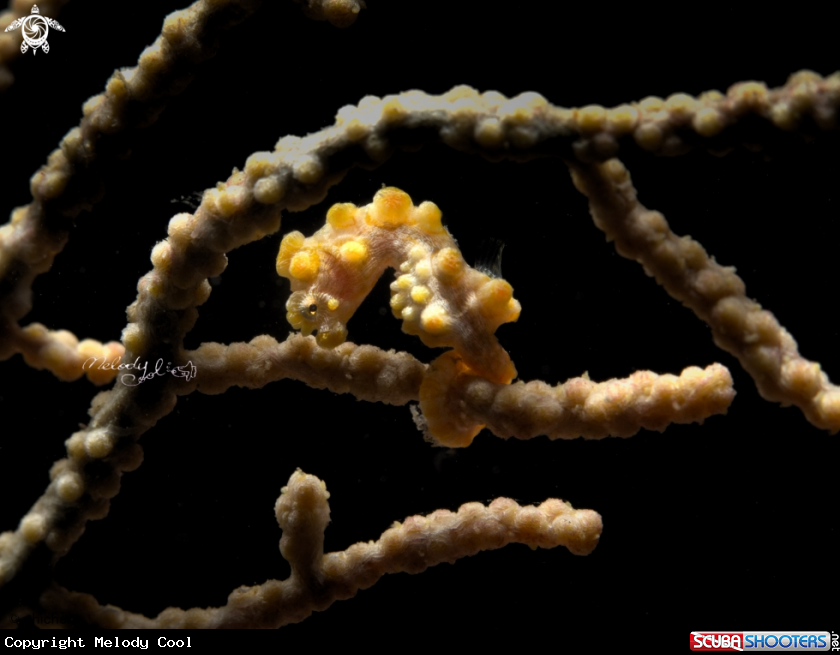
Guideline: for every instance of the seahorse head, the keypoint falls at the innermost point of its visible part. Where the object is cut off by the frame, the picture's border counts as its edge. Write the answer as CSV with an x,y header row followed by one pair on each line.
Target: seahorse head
x,y
328,283
317,312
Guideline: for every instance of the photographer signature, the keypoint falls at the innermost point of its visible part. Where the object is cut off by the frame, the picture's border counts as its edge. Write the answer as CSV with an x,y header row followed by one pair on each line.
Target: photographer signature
x,y
186,371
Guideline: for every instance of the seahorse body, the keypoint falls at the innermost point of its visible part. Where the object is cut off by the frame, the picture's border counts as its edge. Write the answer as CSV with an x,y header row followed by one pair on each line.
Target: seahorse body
x,y
439,297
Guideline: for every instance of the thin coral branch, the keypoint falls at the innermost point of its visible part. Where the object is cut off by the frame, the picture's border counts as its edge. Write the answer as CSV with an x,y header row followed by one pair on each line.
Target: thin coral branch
x,y
367,372
577,408
72,180
714,292
319,579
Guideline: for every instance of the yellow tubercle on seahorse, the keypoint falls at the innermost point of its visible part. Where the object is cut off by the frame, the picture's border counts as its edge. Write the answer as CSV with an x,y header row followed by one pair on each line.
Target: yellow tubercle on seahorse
x,y
439,297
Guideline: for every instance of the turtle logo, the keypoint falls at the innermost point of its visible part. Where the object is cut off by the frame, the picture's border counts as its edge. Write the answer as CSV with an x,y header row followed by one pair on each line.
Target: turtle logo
x,y
35,30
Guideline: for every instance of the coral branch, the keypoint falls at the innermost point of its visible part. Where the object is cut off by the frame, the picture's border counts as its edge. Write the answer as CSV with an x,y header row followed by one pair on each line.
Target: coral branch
x,y
72,180
714,292
459,404
366,372
61,353
577,408
318,580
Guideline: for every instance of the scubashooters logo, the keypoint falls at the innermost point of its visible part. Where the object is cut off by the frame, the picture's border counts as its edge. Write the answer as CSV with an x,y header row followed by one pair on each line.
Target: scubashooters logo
x,y
760,641
35,28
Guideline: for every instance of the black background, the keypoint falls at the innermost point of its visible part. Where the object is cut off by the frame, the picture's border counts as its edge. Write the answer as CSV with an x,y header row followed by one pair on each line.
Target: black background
x,y
726,526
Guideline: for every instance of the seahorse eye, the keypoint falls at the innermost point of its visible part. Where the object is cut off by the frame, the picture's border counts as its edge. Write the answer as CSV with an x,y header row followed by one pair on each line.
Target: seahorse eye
x,y
313,309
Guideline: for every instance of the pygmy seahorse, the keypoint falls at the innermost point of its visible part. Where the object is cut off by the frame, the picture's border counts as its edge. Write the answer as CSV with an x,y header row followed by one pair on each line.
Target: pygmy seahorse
x,y
439,297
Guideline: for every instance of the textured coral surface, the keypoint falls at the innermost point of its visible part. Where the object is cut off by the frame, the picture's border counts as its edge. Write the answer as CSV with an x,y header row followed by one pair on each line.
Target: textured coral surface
x,y
746,501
